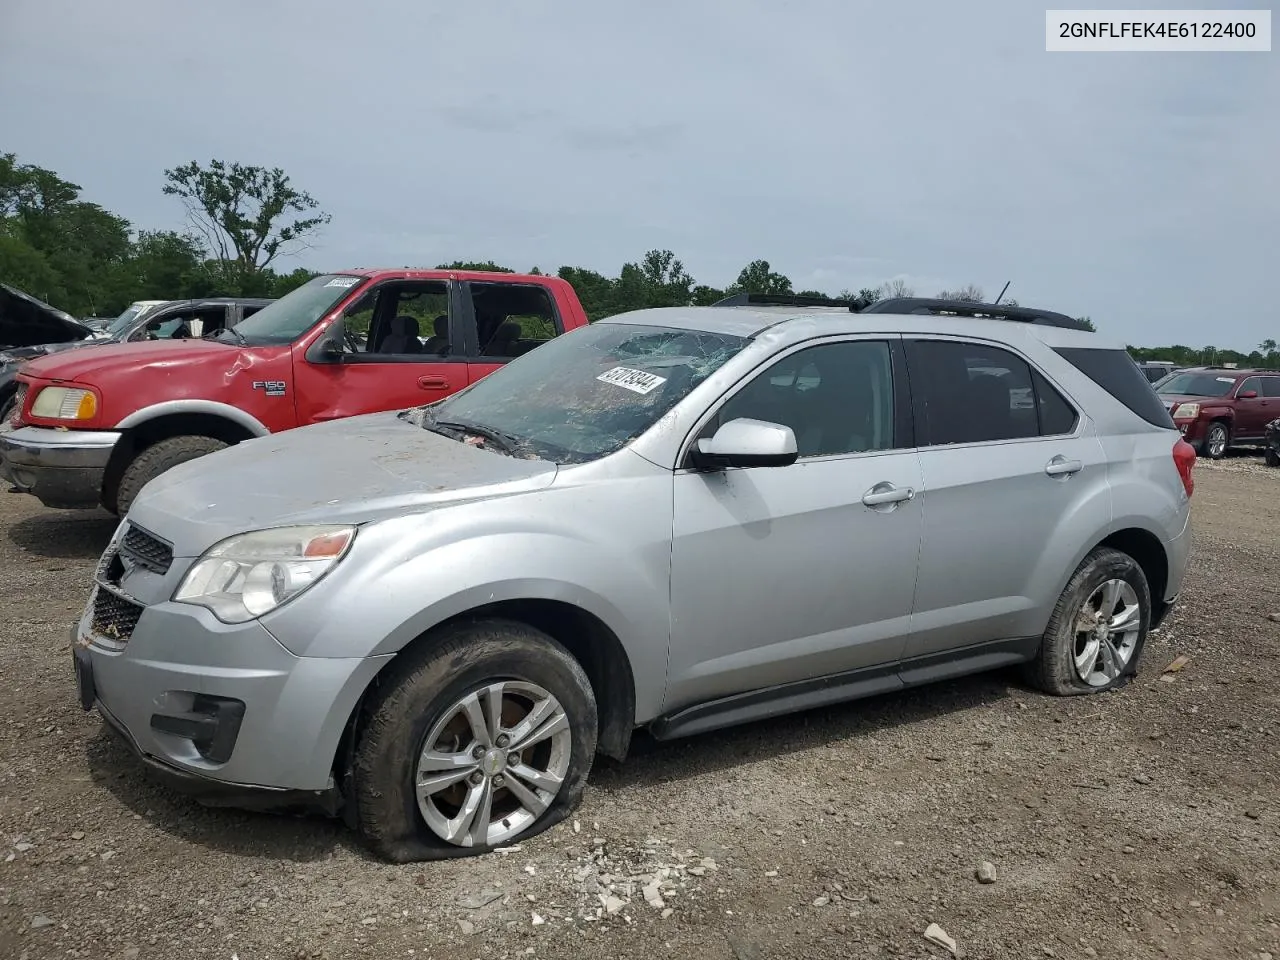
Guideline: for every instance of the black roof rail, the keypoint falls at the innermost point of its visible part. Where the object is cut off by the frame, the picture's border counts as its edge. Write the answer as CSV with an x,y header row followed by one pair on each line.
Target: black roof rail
x,y
970,308
781,300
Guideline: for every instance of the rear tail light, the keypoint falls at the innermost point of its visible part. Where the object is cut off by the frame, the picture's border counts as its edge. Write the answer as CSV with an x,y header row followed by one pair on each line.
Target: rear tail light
x,y
1184,458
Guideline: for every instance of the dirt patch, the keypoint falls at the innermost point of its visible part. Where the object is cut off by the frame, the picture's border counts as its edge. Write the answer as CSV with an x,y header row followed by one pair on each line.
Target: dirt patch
x,y
1144,823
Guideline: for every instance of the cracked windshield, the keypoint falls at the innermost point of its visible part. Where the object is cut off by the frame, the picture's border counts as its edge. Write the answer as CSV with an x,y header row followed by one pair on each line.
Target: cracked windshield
x,y
589,393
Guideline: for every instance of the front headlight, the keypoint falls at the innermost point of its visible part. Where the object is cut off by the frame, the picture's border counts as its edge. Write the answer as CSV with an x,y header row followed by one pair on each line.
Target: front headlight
x,y
65,403
1186,411
248,575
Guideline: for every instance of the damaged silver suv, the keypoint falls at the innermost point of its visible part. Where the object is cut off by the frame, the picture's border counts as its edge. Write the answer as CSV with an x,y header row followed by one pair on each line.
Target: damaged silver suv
x,y
431,622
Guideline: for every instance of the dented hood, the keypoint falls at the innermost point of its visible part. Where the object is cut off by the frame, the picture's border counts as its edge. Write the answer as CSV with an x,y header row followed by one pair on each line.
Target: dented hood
x,y
28,322
349,471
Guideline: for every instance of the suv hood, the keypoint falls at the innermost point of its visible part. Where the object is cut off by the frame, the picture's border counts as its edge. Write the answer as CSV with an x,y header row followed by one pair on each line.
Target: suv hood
x,y
1170,399
83,365
348,471
28,322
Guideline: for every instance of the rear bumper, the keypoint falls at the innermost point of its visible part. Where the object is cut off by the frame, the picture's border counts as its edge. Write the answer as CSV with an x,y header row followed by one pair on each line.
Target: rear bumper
x,y
61,468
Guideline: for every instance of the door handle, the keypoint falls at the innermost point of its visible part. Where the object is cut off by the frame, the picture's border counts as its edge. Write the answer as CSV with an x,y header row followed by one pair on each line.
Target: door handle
x,y
433,383
883,493
1060,466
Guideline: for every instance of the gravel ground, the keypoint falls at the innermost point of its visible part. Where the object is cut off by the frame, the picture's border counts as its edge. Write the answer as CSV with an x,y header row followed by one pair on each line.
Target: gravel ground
x,y
1144,823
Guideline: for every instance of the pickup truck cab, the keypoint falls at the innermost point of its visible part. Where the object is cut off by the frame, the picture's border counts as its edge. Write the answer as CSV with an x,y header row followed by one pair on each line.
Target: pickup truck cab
x,y
94,426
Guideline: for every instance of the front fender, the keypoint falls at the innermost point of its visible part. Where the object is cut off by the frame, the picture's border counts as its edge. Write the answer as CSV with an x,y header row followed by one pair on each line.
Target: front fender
x,y
400,587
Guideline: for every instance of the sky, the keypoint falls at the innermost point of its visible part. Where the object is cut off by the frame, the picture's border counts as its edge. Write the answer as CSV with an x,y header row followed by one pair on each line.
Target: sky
x,y
846,142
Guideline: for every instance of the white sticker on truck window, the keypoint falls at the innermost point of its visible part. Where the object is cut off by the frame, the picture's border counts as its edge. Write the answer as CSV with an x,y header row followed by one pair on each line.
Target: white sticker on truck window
x,y
637,381
1225,379
343,282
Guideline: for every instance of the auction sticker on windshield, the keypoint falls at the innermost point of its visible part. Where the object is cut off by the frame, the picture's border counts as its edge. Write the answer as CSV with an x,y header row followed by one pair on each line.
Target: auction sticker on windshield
x,y
343,282
637,381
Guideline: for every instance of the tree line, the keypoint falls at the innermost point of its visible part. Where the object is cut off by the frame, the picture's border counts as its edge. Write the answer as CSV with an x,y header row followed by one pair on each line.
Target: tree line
x,y
243,219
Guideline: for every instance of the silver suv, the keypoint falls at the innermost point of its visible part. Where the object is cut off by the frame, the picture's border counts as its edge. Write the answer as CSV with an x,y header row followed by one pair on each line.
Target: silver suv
x,y
676,519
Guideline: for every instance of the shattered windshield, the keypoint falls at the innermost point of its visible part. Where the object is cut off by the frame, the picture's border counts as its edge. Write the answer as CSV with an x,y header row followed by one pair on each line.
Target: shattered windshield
x,y
1196,385
121,324
588,393
286,319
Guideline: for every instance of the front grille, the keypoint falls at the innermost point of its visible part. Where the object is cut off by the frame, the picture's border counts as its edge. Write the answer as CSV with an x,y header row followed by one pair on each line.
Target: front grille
x,y
146,550
113,615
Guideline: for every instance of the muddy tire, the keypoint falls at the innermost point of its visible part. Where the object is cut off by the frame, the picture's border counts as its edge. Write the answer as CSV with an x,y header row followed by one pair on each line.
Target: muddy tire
x,y
155,460
477,740
1270,456
1098,628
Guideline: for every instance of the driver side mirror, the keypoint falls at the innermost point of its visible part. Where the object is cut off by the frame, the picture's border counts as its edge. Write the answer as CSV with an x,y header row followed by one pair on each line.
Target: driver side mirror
x,y
746,443
1247,395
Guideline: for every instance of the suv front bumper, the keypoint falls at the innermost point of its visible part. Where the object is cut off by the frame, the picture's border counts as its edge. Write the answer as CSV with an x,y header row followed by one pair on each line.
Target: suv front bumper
x,y
222,711
62,468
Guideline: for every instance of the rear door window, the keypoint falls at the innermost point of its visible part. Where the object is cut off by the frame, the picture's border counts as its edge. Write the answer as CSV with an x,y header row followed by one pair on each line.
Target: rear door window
x,y
1271,386
974,393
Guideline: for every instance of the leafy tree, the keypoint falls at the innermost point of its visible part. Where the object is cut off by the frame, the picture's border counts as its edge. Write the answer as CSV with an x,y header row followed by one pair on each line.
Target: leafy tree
x,y
485,265
758,277
595,290
704,296
245,213
1088,324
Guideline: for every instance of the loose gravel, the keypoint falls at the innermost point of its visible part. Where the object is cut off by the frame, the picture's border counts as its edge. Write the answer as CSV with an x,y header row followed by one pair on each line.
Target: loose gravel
x,y
1139,824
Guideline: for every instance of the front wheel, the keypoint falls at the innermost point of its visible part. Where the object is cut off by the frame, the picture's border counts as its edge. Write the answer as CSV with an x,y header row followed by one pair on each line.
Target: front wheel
x,y
1272,457
1098,628
1216,441
155,460
481,738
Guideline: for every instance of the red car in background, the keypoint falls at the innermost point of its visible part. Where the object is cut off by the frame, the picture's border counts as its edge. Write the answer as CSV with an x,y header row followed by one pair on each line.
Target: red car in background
x,y
93,426
1219,407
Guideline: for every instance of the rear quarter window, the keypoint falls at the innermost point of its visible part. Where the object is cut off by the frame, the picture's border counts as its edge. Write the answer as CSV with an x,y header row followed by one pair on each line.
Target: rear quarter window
x,y
1117,373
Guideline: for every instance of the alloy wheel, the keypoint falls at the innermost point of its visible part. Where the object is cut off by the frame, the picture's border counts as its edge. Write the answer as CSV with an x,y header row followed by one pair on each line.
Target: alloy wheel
x,y
493,763
1107,629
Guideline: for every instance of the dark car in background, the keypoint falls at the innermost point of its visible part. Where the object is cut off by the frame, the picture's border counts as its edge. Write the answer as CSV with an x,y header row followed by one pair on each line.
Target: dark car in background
x,y
141,321
1220,407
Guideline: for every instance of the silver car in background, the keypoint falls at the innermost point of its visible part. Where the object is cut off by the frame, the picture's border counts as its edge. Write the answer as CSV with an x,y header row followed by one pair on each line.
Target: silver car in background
x,y
677,519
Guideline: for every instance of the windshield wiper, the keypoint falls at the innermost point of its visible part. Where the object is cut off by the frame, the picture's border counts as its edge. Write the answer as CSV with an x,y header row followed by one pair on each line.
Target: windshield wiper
x,y
240,337
503,441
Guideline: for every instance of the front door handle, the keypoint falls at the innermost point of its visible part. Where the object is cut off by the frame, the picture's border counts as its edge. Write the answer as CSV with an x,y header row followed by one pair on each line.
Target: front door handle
x,y
885,492
1060,466
433,383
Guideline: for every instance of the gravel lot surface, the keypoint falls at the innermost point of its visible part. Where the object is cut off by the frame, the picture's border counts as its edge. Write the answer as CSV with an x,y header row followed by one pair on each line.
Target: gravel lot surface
x,y
1144,823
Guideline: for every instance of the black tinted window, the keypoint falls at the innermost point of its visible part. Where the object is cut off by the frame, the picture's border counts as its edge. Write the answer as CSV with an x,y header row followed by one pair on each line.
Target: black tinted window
x,y
1271,386
970,393
1115,372
837,398
1056,415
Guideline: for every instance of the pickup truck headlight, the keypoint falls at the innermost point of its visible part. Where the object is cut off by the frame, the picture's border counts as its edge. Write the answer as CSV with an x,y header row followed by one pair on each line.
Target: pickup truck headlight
x,y
251,574
1186,411
65,403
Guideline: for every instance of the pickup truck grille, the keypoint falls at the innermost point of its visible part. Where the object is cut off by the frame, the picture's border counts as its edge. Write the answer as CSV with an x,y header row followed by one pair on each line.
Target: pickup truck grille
x,y
114,616
146,550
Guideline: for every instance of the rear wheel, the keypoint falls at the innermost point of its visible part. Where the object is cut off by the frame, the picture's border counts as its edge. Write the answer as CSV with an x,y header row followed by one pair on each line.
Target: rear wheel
x,y
1216,441
1098,628
155,460
485,737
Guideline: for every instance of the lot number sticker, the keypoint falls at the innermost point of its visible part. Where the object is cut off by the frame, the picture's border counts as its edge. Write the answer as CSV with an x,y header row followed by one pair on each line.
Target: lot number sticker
x,y
343,282
637,381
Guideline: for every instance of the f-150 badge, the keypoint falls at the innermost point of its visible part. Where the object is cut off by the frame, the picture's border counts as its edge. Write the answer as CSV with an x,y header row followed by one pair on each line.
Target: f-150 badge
x,y
272,388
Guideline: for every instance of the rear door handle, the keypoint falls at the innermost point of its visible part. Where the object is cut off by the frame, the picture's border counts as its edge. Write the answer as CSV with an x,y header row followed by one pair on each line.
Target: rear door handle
x,y
1060,466
433,383
883,493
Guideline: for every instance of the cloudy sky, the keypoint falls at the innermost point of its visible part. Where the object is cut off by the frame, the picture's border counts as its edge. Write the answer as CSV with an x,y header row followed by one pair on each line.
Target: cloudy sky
x,y
845,142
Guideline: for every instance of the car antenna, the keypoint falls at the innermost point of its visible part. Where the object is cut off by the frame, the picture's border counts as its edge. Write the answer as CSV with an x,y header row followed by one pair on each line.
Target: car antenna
x,y
1002,290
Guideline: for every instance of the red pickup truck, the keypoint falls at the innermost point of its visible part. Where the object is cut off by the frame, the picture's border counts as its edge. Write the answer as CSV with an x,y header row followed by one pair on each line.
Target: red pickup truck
x,y
93,426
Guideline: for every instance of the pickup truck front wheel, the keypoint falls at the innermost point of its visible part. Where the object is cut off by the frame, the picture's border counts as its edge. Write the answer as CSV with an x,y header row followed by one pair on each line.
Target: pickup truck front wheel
x,y
155,460
481,738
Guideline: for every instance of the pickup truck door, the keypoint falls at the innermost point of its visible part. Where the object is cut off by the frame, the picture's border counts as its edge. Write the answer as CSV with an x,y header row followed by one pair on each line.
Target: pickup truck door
x,y
504,321
397,352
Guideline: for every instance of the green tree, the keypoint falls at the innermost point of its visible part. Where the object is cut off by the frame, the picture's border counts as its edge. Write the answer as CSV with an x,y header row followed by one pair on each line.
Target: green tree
x,y
1088,324
758,277
247,215
485,265
595,290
